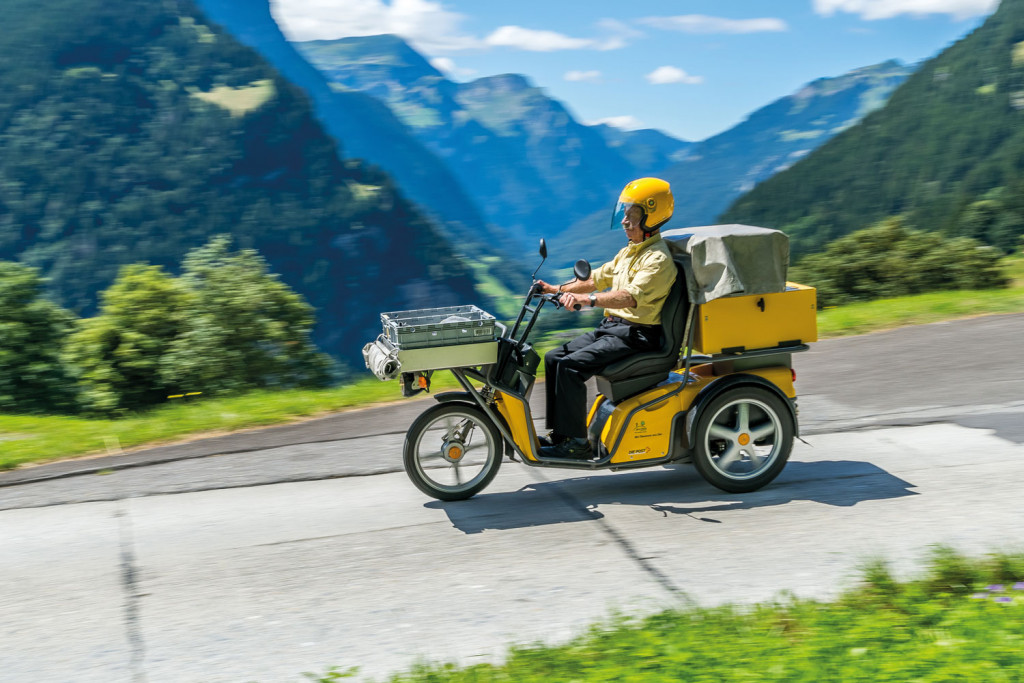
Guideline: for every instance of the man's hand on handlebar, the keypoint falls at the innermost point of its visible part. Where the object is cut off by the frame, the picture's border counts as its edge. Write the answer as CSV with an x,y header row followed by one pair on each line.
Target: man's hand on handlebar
x,y
542,287
574,302
574,295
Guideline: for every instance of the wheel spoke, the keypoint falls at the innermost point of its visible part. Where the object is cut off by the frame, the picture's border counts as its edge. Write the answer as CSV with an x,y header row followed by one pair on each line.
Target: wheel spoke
x,y
722,432
449,428
743,417
731,454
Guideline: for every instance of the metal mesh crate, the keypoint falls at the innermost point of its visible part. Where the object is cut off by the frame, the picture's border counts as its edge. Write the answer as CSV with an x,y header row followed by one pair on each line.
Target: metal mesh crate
x,y
446,326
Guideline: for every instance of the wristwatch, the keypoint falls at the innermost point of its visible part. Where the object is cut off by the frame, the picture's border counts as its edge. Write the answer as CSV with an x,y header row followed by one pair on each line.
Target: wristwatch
x,y
593,299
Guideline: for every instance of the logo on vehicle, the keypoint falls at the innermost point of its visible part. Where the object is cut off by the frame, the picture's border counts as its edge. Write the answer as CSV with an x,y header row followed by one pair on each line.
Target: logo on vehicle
x,y
640,451
640,427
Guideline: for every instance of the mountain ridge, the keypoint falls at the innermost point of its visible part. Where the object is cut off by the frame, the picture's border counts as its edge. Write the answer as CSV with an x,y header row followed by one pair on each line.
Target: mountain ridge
x,y
716,170
509,144
950,137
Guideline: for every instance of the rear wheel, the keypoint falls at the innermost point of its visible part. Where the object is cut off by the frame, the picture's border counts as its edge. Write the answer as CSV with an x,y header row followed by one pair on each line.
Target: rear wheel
x,y
743,439
452,451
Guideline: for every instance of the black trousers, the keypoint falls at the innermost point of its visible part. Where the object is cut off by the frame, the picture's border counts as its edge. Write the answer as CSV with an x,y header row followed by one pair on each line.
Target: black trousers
x,y
569,366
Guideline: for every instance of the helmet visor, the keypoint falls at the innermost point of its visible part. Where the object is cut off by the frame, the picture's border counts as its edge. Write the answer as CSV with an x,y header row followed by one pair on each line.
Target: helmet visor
x,y
620,213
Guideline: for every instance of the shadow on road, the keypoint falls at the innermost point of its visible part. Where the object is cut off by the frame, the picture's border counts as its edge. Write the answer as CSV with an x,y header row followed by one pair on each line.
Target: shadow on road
x,y
676,490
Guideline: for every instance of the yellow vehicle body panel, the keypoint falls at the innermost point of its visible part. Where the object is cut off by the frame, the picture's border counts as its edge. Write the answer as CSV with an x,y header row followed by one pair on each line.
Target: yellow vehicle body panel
x,y
647,434
757,321
517,416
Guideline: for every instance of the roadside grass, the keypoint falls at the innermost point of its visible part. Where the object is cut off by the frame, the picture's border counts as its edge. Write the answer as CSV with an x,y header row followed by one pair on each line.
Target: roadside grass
x,y
884,314
963,621
26,439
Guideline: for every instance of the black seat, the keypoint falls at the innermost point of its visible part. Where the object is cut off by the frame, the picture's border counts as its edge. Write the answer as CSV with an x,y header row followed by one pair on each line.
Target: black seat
x,y
638,372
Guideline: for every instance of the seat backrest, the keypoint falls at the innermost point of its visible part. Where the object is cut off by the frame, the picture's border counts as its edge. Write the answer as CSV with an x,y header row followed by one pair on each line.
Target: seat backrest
x,y
673,318
673,323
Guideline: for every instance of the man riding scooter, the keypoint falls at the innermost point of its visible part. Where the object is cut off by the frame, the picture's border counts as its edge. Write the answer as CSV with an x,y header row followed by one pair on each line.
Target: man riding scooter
x,y
638,281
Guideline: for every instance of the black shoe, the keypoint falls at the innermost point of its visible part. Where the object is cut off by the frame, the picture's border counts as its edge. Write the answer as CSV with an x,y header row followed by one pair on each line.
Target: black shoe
x,y
570,449
551,439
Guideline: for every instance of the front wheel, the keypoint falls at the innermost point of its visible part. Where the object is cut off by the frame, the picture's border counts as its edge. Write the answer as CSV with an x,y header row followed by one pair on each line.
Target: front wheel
x,y
452,451
743,439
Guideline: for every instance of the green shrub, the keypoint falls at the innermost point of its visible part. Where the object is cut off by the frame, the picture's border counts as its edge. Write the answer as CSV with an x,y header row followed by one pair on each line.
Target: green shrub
x,y
117,354
889,260
32,331
244,328
224,326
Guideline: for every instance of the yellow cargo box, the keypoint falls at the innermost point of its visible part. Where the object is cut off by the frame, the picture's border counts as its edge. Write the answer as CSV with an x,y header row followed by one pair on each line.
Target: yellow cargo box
x,y
757,321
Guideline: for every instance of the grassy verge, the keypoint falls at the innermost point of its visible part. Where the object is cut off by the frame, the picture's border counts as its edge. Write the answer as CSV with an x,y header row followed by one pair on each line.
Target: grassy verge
x,y
32,439
885,314
964,621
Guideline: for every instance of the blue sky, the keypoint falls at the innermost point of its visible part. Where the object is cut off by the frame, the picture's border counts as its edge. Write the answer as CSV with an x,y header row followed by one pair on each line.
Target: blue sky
x,y
691,68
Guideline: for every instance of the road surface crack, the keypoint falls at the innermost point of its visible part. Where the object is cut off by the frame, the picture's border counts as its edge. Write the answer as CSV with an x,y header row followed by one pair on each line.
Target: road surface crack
x,y
129,579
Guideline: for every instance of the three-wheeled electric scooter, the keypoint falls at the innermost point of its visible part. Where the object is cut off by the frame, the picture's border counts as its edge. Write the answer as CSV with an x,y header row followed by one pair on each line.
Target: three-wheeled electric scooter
x,y
718,393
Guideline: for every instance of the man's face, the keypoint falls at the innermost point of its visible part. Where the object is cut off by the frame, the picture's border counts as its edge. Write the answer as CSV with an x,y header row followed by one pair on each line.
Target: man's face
x,y
631,224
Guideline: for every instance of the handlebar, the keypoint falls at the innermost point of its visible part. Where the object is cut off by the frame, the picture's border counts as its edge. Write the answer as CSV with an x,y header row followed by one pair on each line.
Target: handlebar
x,y
552,298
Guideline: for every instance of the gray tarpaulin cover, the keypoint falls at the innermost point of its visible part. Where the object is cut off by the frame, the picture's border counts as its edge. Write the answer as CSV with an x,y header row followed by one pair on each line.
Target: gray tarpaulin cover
x,y
732,259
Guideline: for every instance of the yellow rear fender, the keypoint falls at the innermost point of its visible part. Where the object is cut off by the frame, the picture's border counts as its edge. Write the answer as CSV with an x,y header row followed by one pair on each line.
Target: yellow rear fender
x,y
777,379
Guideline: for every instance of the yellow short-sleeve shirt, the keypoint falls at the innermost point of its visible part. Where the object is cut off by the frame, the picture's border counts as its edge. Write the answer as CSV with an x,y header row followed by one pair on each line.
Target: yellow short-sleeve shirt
x,y
647,272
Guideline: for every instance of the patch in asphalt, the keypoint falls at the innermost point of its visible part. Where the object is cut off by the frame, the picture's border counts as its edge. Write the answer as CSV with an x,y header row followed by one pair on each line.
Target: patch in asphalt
x,y
1009,426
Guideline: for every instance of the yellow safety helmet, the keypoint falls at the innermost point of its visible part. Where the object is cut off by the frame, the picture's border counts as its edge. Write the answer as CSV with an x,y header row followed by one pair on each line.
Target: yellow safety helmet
x,y
653,195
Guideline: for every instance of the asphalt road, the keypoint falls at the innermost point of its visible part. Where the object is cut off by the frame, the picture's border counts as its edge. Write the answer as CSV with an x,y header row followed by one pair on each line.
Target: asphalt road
x,y
262,555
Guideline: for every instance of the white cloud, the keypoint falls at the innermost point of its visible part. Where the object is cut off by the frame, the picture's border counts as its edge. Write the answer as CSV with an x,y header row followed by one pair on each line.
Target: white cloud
x,y
583,76
534,40
886,9
448,67
619,34
672,74
621,122
700,23
426,24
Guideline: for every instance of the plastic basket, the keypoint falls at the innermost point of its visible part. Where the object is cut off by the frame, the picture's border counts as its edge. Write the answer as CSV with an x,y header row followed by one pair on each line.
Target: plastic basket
x,y
446,326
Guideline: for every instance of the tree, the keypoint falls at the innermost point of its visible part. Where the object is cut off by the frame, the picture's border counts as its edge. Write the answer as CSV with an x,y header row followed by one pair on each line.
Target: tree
x,y
244,329
225,325
32,332
117,354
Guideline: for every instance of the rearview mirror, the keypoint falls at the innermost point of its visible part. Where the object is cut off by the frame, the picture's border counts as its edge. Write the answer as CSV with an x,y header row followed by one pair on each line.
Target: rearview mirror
x,y
543,248
581,270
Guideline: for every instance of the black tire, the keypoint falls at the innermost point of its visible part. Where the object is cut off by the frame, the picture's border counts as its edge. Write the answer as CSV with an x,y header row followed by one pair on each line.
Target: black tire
x,y
743,439
452,451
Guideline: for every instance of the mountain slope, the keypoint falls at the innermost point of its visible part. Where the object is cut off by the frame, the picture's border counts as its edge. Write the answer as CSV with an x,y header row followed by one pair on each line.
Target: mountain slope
x,y
719,169
532,167
135,131
950,135
365,128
